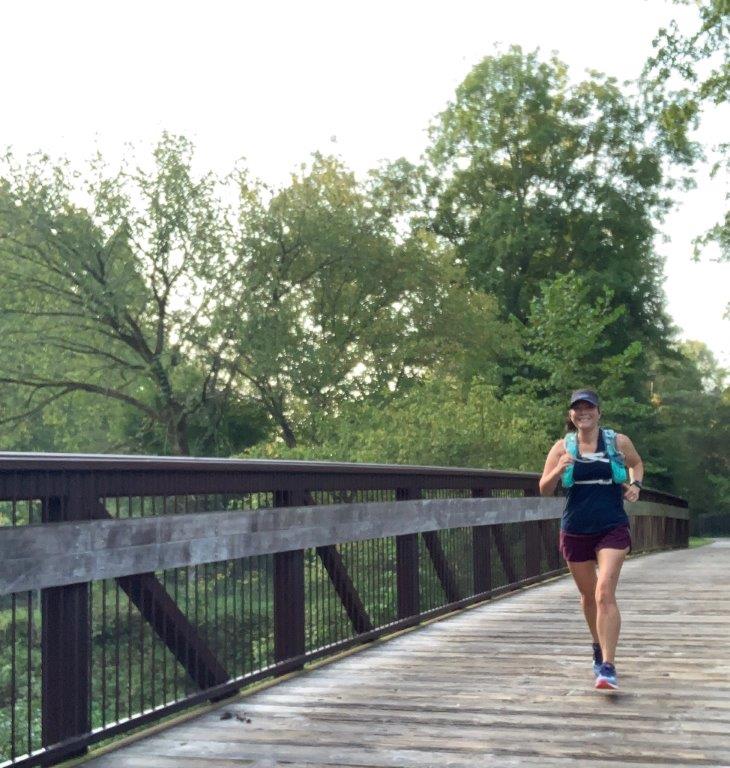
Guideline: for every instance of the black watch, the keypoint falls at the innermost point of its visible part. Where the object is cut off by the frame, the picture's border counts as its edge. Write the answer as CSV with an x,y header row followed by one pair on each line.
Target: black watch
x,y
637,483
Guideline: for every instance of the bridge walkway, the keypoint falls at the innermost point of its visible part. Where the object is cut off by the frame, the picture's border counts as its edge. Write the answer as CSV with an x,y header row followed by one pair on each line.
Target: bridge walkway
x,y
507,683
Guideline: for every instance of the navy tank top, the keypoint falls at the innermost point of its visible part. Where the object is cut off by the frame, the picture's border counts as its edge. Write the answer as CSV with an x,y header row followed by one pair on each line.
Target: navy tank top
x,y
594,503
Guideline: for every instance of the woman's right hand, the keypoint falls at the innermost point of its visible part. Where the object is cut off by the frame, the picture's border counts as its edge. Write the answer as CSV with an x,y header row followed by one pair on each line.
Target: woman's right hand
x,y
555,464
564,462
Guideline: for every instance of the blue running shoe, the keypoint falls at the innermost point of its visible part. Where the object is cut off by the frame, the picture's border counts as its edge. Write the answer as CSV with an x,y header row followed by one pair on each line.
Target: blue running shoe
x,y
607,679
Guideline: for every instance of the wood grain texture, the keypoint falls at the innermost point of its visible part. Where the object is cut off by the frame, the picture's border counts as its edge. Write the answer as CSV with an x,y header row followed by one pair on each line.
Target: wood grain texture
x,y
41,556
507,683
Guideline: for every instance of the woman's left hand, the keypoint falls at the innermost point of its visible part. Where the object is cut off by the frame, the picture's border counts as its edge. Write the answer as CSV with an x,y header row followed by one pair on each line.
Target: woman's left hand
x,y
631,492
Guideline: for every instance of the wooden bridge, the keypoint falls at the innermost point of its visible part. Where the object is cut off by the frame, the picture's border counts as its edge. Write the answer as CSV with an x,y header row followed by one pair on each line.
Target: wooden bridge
x,y
508,683
131,589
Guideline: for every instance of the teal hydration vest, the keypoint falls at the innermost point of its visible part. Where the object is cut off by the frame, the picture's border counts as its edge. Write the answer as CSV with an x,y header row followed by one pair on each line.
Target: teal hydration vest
x,y
619,473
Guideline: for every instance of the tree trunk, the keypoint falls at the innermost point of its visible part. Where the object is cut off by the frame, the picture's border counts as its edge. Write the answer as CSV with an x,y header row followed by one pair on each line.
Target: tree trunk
x,y
275,406
177,433
287,432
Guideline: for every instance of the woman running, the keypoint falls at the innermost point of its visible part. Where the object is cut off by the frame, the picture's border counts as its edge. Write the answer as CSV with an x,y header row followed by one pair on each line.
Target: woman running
x,y
595,528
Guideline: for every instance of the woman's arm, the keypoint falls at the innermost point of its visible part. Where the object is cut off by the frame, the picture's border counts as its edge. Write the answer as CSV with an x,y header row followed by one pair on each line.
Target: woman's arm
x,y
557,460
635,466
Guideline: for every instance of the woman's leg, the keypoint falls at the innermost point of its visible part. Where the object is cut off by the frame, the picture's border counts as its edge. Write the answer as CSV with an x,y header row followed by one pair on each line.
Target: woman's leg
x,y
608,618
584,575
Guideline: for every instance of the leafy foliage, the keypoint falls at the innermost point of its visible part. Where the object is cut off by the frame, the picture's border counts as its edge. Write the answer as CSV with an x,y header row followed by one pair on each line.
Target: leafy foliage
x,y
567,345
116,297
194,313
533,176
438,422
689,73
341,298
430,315
692,444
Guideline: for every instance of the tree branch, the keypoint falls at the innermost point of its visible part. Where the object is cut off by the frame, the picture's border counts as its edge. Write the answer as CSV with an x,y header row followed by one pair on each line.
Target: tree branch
x,y
82,386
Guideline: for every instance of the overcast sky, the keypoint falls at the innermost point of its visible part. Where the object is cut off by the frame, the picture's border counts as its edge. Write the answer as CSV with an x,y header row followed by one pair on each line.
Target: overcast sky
x,y
274,81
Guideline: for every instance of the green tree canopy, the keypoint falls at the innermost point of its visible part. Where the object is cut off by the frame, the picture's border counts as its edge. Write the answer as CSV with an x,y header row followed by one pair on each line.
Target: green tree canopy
x,y
533,177
438,421
108,285
566,346
207,306
689,74
332,299
691,441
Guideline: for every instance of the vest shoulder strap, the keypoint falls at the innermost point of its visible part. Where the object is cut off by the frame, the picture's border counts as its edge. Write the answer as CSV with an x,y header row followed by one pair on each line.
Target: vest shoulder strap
x,y
609,440
571,443
618,467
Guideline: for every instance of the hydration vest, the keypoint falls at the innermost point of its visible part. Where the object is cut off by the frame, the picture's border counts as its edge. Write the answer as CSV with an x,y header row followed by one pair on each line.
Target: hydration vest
x,y
619,473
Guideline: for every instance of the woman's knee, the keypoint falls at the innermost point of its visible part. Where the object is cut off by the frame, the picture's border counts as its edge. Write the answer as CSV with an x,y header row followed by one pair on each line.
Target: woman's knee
x,y
588,598
605,594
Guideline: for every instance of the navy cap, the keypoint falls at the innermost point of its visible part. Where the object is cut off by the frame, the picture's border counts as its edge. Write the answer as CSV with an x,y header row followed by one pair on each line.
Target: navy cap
x,y
584,394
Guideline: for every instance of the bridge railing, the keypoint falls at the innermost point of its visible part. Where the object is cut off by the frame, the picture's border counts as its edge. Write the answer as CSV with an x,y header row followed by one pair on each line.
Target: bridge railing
x,y
133,587
711,525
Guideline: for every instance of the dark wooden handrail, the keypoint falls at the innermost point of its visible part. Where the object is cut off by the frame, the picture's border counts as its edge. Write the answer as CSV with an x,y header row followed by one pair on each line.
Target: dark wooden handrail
x,y
116,474
10,461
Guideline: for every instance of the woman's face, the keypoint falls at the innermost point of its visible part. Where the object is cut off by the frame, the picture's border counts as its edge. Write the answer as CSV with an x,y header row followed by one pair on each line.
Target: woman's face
x,y
584,415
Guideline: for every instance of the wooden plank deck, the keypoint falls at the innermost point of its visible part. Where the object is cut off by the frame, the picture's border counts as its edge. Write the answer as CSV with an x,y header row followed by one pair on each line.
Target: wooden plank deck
x,y
507,683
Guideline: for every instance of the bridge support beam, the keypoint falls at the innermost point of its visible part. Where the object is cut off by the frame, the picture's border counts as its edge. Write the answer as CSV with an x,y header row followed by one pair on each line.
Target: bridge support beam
x,y
289,618
441,565
66,638
171,625
482,558
406,559
504,552
341,581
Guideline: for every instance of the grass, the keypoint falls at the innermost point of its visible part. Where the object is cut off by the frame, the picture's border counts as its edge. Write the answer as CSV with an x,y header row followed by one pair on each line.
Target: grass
x,y
699,541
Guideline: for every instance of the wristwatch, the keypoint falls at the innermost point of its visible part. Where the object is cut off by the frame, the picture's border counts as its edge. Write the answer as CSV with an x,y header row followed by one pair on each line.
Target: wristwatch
x,y
637,483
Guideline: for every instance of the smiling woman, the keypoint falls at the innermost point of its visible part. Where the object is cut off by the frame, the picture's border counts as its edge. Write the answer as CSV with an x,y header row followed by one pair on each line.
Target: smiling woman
x,y
593,464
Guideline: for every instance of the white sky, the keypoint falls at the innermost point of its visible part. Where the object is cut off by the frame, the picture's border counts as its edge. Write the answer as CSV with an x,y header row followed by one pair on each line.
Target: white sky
x,y
274,81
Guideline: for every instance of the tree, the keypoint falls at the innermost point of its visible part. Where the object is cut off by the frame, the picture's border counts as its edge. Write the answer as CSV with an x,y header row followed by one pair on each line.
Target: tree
x,y
567,346
690,72
115,296
438,421
346,297
692,429
533,177
75,423
200,303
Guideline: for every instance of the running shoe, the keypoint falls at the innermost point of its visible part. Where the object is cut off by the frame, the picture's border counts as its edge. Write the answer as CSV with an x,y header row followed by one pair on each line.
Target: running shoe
x,y
607,677
597,668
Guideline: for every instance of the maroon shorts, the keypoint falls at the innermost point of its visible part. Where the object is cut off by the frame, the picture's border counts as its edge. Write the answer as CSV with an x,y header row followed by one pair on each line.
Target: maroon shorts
x,y
577,548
